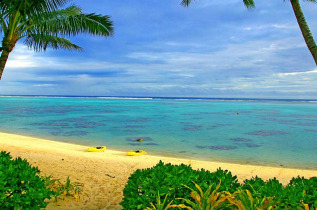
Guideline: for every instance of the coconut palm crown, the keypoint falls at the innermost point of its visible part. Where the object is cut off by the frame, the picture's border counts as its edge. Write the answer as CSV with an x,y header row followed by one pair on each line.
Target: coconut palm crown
x,y
46,23
308,37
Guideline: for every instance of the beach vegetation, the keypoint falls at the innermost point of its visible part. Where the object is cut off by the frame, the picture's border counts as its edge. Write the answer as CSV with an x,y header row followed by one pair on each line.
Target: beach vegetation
x,y
46,23
243,199
21,186
62,190
180,186
296,195
168,179
208,200
308,37
160,205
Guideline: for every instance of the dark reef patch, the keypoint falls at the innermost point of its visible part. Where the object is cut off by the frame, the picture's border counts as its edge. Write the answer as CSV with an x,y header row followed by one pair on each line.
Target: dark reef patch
x,y
69,133
267,133
218,125
240,139
192,127
302,116
197,118
222,147
68,123
151,144
311,130
182,152
130,126
86,124
51,123
217,113
109,111
142,119
92,116
190,114
252,145
217,147
143,144
201,147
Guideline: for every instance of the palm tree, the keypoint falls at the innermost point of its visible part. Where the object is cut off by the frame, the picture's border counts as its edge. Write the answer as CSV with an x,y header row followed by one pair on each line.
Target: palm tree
x,y
42,24
308,37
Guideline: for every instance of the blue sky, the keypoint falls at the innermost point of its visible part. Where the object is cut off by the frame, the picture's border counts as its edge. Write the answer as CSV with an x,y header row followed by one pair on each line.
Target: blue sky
x,y
211,49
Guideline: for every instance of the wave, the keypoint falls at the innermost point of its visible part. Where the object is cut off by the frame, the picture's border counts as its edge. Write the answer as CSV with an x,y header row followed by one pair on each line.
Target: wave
x,y
164,98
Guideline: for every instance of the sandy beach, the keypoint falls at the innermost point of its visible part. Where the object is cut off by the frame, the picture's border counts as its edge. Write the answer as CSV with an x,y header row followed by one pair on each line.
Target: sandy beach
x,y
104,174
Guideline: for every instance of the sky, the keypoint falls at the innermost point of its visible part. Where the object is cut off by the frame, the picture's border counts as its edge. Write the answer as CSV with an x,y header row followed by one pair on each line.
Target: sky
x,y
160,48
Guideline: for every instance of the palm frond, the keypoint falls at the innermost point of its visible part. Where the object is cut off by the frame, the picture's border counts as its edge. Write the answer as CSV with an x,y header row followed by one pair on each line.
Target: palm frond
x,y
40,42
29,8
186,3
71,21
32,6
249,4
64,13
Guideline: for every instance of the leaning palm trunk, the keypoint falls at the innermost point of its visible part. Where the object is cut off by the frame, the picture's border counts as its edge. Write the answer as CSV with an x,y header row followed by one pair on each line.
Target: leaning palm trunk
x,y
7,47
3,60
305,29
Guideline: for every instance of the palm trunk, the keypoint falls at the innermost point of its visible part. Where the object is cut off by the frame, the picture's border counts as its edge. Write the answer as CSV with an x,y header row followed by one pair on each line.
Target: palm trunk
x,y
309,39
3,61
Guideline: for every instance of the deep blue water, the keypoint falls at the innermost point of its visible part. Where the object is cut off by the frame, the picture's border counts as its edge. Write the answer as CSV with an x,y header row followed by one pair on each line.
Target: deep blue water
x,y
266,132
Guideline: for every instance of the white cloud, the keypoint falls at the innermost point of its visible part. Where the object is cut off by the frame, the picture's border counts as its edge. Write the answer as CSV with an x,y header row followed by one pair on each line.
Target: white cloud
x,y
44,85
298,73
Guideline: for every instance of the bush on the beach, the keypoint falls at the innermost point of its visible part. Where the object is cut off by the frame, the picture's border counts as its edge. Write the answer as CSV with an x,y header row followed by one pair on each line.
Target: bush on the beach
x,y
151,185
298,192
62,190
21,187
306,189
166,179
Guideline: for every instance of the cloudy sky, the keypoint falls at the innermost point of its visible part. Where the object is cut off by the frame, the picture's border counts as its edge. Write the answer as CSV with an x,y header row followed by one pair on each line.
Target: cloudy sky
x,y
211,49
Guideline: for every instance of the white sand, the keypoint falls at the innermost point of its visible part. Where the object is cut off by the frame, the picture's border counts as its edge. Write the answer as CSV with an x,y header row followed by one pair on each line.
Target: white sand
x,y
105,174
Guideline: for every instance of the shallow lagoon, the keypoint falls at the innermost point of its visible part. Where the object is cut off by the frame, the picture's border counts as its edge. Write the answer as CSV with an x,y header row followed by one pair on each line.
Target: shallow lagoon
x,y
278,133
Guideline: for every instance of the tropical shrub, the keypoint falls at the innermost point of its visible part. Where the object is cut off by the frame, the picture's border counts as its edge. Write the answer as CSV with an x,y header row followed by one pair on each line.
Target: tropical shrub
x,y
205,200
167,179
305,189
62,190
175,184
243,199
160,205
21,187
298,192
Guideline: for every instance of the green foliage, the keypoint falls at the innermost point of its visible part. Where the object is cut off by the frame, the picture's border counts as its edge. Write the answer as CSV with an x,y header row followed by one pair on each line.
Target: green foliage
x,y
243,199
46,23
298,192
62,190
305,189
205,200
20,185
160,205
143,185
176,183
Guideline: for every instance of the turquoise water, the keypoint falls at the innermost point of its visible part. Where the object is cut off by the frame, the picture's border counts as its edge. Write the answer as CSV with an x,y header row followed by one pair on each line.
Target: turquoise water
x,y
277,133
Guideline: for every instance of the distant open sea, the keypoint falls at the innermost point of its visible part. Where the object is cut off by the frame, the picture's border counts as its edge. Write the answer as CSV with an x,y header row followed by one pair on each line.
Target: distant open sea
x,y
247,131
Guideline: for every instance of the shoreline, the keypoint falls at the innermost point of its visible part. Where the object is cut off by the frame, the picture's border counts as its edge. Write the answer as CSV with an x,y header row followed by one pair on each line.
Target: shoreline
x,y
168,155
105,174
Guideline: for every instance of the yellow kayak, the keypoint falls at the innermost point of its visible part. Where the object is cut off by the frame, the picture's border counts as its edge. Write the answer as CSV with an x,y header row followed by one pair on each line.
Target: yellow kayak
x,y
97,149
136,153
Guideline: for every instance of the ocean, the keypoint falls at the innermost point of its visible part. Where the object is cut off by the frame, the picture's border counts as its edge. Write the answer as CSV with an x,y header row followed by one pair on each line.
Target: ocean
x,y
270,132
